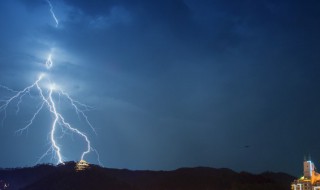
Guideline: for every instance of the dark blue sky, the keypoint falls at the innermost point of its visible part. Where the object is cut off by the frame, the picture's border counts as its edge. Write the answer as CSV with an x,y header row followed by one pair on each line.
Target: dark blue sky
x,y
173,83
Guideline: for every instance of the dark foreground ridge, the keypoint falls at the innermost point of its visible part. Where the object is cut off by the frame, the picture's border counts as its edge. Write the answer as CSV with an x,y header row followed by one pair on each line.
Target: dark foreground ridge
x,y
63,177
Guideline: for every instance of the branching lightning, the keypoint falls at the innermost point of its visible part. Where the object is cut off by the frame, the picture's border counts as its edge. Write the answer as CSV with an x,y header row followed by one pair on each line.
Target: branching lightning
x,y
45,94
58,119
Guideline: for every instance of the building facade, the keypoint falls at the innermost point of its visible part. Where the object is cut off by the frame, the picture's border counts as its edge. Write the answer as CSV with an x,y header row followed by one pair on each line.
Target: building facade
x,y
310,179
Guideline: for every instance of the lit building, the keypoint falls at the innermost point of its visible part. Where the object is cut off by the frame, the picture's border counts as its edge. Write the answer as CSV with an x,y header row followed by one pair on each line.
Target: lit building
x,y
310,179
82,165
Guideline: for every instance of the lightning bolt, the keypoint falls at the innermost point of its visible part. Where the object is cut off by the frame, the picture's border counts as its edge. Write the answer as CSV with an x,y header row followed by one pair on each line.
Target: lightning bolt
x,y
52,13
46,96
58,119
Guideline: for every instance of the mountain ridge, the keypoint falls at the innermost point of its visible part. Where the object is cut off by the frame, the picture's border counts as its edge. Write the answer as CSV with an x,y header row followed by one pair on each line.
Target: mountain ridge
x,y
66,176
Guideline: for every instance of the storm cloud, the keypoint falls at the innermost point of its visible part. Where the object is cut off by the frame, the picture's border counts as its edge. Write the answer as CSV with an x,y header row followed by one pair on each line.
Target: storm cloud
x,y
175,82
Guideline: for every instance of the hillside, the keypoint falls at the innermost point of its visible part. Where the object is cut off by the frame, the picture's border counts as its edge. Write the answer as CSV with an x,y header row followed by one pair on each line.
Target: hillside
x,y
95,177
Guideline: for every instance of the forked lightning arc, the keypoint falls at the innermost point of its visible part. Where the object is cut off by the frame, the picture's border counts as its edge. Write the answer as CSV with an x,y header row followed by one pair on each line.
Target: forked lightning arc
x,y
45,93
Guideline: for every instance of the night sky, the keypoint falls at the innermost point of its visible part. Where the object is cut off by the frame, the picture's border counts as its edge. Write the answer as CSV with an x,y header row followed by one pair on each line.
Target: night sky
x,y
173,83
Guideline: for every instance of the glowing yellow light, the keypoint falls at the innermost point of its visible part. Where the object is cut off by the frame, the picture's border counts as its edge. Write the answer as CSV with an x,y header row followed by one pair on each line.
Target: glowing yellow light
x,y
82,165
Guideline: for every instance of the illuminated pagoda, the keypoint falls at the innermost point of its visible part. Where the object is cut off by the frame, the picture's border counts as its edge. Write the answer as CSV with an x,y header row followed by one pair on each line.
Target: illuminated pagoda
x,y
82,165
310,179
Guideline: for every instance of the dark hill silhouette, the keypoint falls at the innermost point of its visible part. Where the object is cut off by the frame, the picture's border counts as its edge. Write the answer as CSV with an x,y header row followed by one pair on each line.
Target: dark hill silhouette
x,y
65,177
